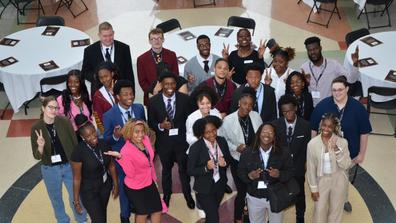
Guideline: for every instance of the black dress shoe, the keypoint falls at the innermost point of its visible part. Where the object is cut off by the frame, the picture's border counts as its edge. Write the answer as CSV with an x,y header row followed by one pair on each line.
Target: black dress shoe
x,y
124,220
166,199
190,202
299,220
228,189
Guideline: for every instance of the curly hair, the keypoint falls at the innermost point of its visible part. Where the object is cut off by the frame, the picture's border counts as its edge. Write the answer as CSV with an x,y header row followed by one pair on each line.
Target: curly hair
x,y
200,124
288,82
200,92
66,94
335,120
128,128
288,53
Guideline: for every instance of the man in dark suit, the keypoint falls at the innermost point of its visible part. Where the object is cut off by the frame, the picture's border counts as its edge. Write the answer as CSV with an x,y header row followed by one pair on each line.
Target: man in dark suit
x,y
294,133
107,49
113,120
167,114
155,59
266,103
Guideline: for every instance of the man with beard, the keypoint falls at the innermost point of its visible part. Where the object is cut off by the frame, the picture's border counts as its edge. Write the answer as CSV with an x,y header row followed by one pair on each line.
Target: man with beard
x,y
320,71
200,67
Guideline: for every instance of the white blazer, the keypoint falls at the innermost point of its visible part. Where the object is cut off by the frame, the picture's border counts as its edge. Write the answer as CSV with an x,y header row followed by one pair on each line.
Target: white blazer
x,y
190,138
231,130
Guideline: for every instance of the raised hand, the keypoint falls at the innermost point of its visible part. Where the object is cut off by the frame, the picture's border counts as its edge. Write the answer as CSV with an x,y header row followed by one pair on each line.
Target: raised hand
x,y
226,51
117,132
273,172
261,49
40,141
231,73
190,78
267,78
157,88
254,174
355,56
113,153
166,124
333,143
307,76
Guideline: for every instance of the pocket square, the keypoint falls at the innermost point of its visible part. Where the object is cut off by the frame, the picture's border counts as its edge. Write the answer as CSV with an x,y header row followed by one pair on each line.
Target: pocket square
x,y
301,136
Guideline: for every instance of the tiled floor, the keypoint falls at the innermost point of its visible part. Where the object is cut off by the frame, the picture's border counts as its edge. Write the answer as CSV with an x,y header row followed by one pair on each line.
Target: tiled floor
x,y
284,20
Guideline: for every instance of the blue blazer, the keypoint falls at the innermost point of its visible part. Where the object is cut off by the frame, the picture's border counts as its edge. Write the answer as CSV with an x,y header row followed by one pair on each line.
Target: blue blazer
x,y
112,118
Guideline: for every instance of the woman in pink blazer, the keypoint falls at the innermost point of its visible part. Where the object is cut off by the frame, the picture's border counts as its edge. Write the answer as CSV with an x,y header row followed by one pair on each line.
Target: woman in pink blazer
x,y
137,160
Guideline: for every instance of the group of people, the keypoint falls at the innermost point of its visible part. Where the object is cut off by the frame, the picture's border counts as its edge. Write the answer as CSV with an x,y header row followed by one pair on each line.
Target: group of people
x,y
269,124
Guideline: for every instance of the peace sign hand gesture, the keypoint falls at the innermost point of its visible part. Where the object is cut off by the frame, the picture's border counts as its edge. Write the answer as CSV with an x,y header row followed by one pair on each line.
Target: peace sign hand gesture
x,y
267,78
226,51
40,140
261,49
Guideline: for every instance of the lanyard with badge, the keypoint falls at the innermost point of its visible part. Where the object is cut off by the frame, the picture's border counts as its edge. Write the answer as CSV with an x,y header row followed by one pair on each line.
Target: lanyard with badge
x,y
316,94
262,184
100,159
55,157
245,125
215,158
221,93
341,116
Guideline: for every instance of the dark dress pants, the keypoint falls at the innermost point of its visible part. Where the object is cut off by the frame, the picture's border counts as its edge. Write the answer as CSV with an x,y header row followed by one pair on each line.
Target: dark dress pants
x,y
95,196
239,202
300,202
210,202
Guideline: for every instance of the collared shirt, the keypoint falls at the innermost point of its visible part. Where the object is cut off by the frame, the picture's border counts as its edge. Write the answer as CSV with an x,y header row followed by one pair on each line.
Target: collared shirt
x,y
278,82
212,149
173,102
331,69
124,116
111,51
201,60
265,156
259,96
293,125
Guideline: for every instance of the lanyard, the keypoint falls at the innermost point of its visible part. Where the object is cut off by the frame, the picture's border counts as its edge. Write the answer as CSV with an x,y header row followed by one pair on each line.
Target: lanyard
x,y
320,75
99,158
245,131
157,57
222,92
52,134
75,101
215,156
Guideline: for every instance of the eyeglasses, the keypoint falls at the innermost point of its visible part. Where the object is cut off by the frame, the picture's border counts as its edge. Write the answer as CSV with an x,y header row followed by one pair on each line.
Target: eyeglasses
x,y
53,107
156,38
338,90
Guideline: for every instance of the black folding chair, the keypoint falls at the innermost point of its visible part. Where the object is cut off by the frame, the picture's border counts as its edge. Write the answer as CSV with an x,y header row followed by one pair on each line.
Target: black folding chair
x,y
319,9
68,4
242,22
4,6
52,81
382,91
22,6
169,25
209,2
50,20
385,3
356,34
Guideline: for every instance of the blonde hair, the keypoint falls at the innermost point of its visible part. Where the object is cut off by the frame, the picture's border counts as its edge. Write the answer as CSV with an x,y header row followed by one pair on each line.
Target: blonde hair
x,y
335,120
105,26
128,128
156,31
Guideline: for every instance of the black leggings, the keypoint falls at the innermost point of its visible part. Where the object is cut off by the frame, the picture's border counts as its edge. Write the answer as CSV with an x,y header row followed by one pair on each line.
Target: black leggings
x,y
95,197
239,202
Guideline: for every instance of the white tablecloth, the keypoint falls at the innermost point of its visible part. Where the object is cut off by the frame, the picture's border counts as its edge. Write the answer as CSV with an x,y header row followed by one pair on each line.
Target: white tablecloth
x,y
383,54
188,49
22,80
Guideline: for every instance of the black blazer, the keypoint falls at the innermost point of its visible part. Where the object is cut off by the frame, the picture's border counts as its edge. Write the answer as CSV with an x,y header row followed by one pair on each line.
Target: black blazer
x,y
299,142
268,111
157,114
307,101
198,157
250,160
122,58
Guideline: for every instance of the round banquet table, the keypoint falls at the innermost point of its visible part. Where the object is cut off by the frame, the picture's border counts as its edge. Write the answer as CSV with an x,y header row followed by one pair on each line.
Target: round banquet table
x,y
21,80
383,54
188,49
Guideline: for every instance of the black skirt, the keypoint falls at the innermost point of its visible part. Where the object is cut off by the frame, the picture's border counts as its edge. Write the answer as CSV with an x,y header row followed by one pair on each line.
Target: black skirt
x,y
146,200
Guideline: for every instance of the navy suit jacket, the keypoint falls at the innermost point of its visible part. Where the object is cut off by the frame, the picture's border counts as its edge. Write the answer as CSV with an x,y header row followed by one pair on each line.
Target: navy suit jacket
x,y
112,118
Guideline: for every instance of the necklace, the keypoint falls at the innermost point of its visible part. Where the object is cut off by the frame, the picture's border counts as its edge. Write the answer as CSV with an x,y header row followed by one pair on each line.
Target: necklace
x,y
76,98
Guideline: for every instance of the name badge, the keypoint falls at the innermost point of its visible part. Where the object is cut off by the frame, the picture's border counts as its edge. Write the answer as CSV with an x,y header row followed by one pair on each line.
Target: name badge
x,y
247,61
315,94
56,158
173,132
104,177
261,185
216,175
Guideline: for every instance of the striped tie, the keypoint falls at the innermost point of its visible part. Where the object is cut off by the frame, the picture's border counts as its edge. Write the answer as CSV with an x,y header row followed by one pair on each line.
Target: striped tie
x,y
169,109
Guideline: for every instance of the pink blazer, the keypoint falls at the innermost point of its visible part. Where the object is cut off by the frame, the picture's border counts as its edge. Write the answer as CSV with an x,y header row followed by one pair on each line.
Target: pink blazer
x,y
74,111
139,171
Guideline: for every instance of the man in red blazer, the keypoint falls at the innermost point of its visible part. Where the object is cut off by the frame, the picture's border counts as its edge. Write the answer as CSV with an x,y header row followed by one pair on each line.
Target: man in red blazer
x,y
150,62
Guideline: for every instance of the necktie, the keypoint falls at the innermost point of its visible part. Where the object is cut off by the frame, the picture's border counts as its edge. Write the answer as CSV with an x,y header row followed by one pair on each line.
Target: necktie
x,y
255,107
206,66
289,134
128,115
169,109
107,55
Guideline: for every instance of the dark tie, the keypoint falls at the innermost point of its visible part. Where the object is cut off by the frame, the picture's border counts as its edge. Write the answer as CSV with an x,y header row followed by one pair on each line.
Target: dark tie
x,y
255,107
169,109
129,115
206,66
289,134
107,55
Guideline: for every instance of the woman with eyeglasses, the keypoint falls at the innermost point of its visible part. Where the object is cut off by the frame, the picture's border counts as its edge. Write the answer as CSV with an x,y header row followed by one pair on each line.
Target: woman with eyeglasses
x,y
327,164
94,173
53,141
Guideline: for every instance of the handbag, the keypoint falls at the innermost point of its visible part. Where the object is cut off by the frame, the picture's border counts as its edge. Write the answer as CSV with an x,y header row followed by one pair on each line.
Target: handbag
x,y
283,195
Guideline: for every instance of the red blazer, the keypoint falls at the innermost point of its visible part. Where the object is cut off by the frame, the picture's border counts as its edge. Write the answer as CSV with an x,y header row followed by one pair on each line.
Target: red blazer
x,y
100,106
223,104
147,70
